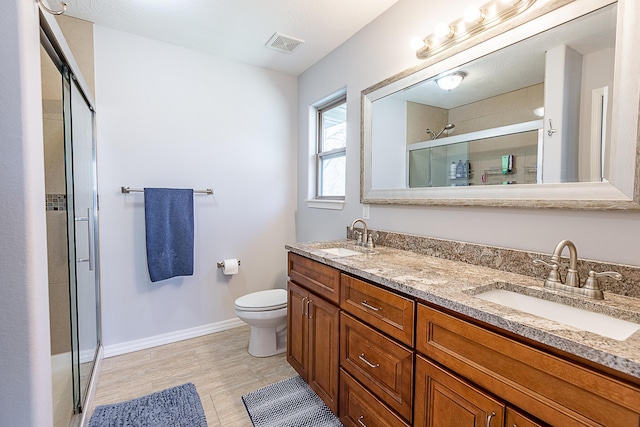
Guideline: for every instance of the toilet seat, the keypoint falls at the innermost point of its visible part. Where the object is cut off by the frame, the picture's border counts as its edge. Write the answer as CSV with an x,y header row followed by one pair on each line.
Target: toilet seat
x,y
273,299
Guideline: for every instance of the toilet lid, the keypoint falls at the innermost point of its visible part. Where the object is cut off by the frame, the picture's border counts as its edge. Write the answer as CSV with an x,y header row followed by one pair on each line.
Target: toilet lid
x,y
273,299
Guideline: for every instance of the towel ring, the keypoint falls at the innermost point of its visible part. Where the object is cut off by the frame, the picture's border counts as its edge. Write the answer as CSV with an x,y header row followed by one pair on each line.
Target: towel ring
x,y
53,12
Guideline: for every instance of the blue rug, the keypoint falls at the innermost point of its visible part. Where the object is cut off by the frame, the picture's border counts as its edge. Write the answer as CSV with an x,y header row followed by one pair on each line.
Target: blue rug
x,y
288,403
174,407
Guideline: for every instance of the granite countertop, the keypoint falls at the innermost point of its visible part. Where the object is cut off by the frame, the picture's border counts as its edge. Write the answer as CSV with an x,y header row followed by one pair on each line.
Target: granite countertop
x,y
453,284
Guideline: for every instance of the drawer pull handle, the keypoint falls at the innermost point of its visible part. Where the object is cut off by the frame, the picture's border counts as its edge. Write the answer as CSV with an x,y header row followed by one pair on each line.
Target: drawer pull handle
x,y
370,306
360,421
493,414
308,303
371,365
303,303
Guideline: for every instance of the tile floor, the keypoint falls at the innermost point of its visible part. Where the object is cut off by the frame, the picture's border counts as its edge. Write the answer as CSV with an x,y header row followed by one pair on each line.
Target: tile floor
x,y
218,365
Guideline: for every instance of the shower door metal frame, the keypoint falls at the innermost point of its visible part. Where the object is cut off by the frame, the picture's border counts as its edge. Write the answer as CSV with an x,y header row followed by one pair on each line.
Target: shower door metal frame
x,y
52,40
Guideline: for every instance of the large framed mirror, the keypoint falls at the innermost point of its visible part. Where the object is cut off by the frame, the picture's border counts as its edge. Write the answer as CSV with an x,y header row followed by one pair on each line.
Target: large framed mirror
x,y
545,114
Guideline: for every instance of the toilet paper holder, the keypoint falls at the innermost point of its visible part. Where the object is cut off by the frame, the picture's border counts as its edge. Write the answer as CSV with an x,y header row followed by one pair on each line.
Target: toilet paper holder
x,y
221,264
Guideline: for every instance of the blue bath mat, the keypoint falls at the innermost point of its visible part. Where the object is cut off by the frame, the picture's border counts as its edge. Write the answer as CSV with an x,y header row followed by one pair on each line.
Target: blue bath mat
x,y
288,403
174,407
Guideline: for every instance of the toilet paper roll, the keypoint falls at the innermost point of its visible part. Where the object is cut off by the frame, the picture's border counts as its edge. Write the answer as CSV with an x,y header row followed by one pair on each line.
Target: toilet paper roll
x,y
230,266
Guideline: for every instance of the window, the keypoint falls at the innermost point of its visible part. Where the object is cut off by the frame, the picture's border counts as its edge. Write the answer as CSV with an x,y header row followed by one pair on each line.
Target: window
x,y
331,150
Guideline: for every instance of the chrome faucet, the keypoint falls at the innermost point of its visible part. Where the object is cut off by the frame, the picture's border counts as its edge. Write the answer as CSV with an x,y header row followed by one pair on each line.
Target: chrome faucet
x,y
591,288
364,238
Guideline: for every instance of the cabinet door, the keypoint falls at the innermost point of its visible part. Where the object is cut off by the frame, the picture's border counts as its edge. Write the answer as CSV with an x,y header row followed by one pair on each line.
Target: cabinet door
x,y
443,400
323,319
297,329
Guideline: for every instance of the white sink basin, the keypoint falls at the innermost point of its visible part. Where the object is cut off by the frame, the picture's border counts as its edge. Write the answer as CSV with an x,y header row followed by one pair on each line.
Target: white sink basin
x,y
341,252
597,323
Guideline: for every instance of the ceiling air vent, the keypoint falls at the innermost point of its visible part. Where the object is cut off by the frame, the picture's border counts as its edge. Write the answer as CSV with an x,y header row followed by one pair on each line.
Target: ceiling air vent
x,y
283,43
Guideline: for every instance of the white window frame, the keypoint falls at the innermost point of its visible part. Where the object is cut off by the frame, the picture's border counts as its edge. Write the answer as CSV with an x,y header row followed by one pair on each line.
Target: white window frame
x,y
320,155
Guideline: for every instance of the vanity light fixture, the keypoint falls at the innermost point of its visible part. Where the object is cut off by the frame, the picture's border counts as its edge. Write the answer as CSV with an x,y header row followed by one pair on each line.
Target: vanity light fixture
x,y
451,81
474,21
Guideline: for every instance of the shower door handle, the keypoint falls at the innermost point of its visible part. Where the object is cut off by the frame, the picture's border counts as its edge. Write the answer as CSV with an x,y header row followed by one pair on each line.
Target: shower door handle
x,y
90,222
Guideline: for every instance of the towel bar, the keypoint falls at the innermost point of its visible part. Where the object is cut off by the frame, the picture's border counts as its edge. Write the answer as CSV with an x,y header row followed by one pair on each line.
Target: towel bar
x,y
127,190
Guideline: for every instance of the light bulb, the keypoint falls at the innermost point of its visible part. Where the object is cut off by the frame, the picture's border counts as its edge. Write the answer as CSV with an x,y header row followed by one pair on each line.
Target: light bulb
x,y
443,30
450,81
416,43
473,14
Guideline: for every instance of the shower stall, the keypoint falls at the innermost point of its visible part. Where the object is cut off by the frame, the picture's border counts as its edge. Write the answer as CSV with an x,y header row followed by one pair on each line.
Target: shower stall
x,y
72,225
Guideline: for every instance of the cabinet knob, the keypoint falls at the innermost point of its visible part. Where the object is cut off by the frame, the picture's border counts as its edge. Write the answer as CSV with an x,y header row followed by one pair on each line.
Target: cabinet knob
x,y
360,421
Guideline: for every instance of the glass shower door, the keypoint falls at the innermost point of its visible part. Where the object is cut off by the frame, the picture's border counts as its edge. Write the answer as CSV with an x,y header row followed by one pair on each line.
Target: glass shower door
x,y
82,228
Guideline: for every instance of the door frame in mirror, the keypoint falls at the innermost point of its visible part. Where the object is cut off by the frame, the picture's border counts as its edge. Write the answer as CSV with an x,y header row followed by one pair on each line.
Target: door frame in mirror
x,y
620,192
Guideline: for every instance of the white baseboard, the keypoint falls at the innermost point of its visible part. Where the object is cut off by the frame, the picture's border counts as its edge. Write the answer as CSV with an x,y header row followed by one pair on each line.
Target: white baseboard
x,y
145,343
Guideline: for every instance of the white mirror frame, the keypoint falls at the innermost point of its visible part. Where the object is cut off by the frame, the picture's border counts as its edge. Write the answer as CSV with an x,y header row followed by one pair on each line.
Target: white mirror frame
x,y
621,192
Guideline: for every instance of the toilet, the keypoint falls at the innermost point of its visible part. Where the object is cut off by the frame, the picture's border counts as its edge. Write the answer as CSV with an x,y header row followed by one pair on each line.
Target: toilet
x,y
266,313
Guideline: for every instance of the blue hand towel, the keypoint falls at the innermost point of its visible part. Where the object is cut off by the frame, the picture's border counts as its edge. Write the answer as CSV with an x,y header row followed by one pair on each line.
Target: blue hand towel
x,y
168,214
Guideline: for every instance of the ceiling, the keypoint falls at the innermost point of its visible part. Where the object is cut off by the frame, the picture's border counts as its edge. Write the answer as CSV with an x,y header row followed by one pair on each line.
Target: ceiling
x,y
237,29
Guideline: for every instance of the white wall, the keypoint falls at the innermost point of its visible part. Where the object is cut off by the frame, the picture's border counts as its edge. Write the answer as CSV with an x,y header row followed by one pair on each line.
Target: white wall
x,y
381,50
172,117
25,370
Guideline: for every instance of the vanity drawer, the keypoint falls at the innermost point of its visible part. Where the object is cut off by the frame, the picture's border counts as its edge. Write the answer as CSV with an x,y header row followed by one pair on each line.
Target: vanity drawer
x,y
555,390
316,277
390,313
359,407
382,365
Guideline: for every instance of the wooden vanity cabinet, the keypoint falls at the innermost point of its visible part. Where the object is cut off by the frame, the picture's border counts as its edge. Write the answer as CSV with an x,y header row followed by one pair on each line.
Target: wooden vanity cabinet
x,y
313,327
386,360
555,390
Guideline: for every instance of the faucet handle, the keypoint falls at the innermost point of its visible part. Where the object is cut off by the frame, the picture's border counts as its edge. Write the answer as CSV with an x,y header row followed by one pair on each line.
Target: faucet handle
x,y
554,275
592,280
359,238
548,264
371,240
